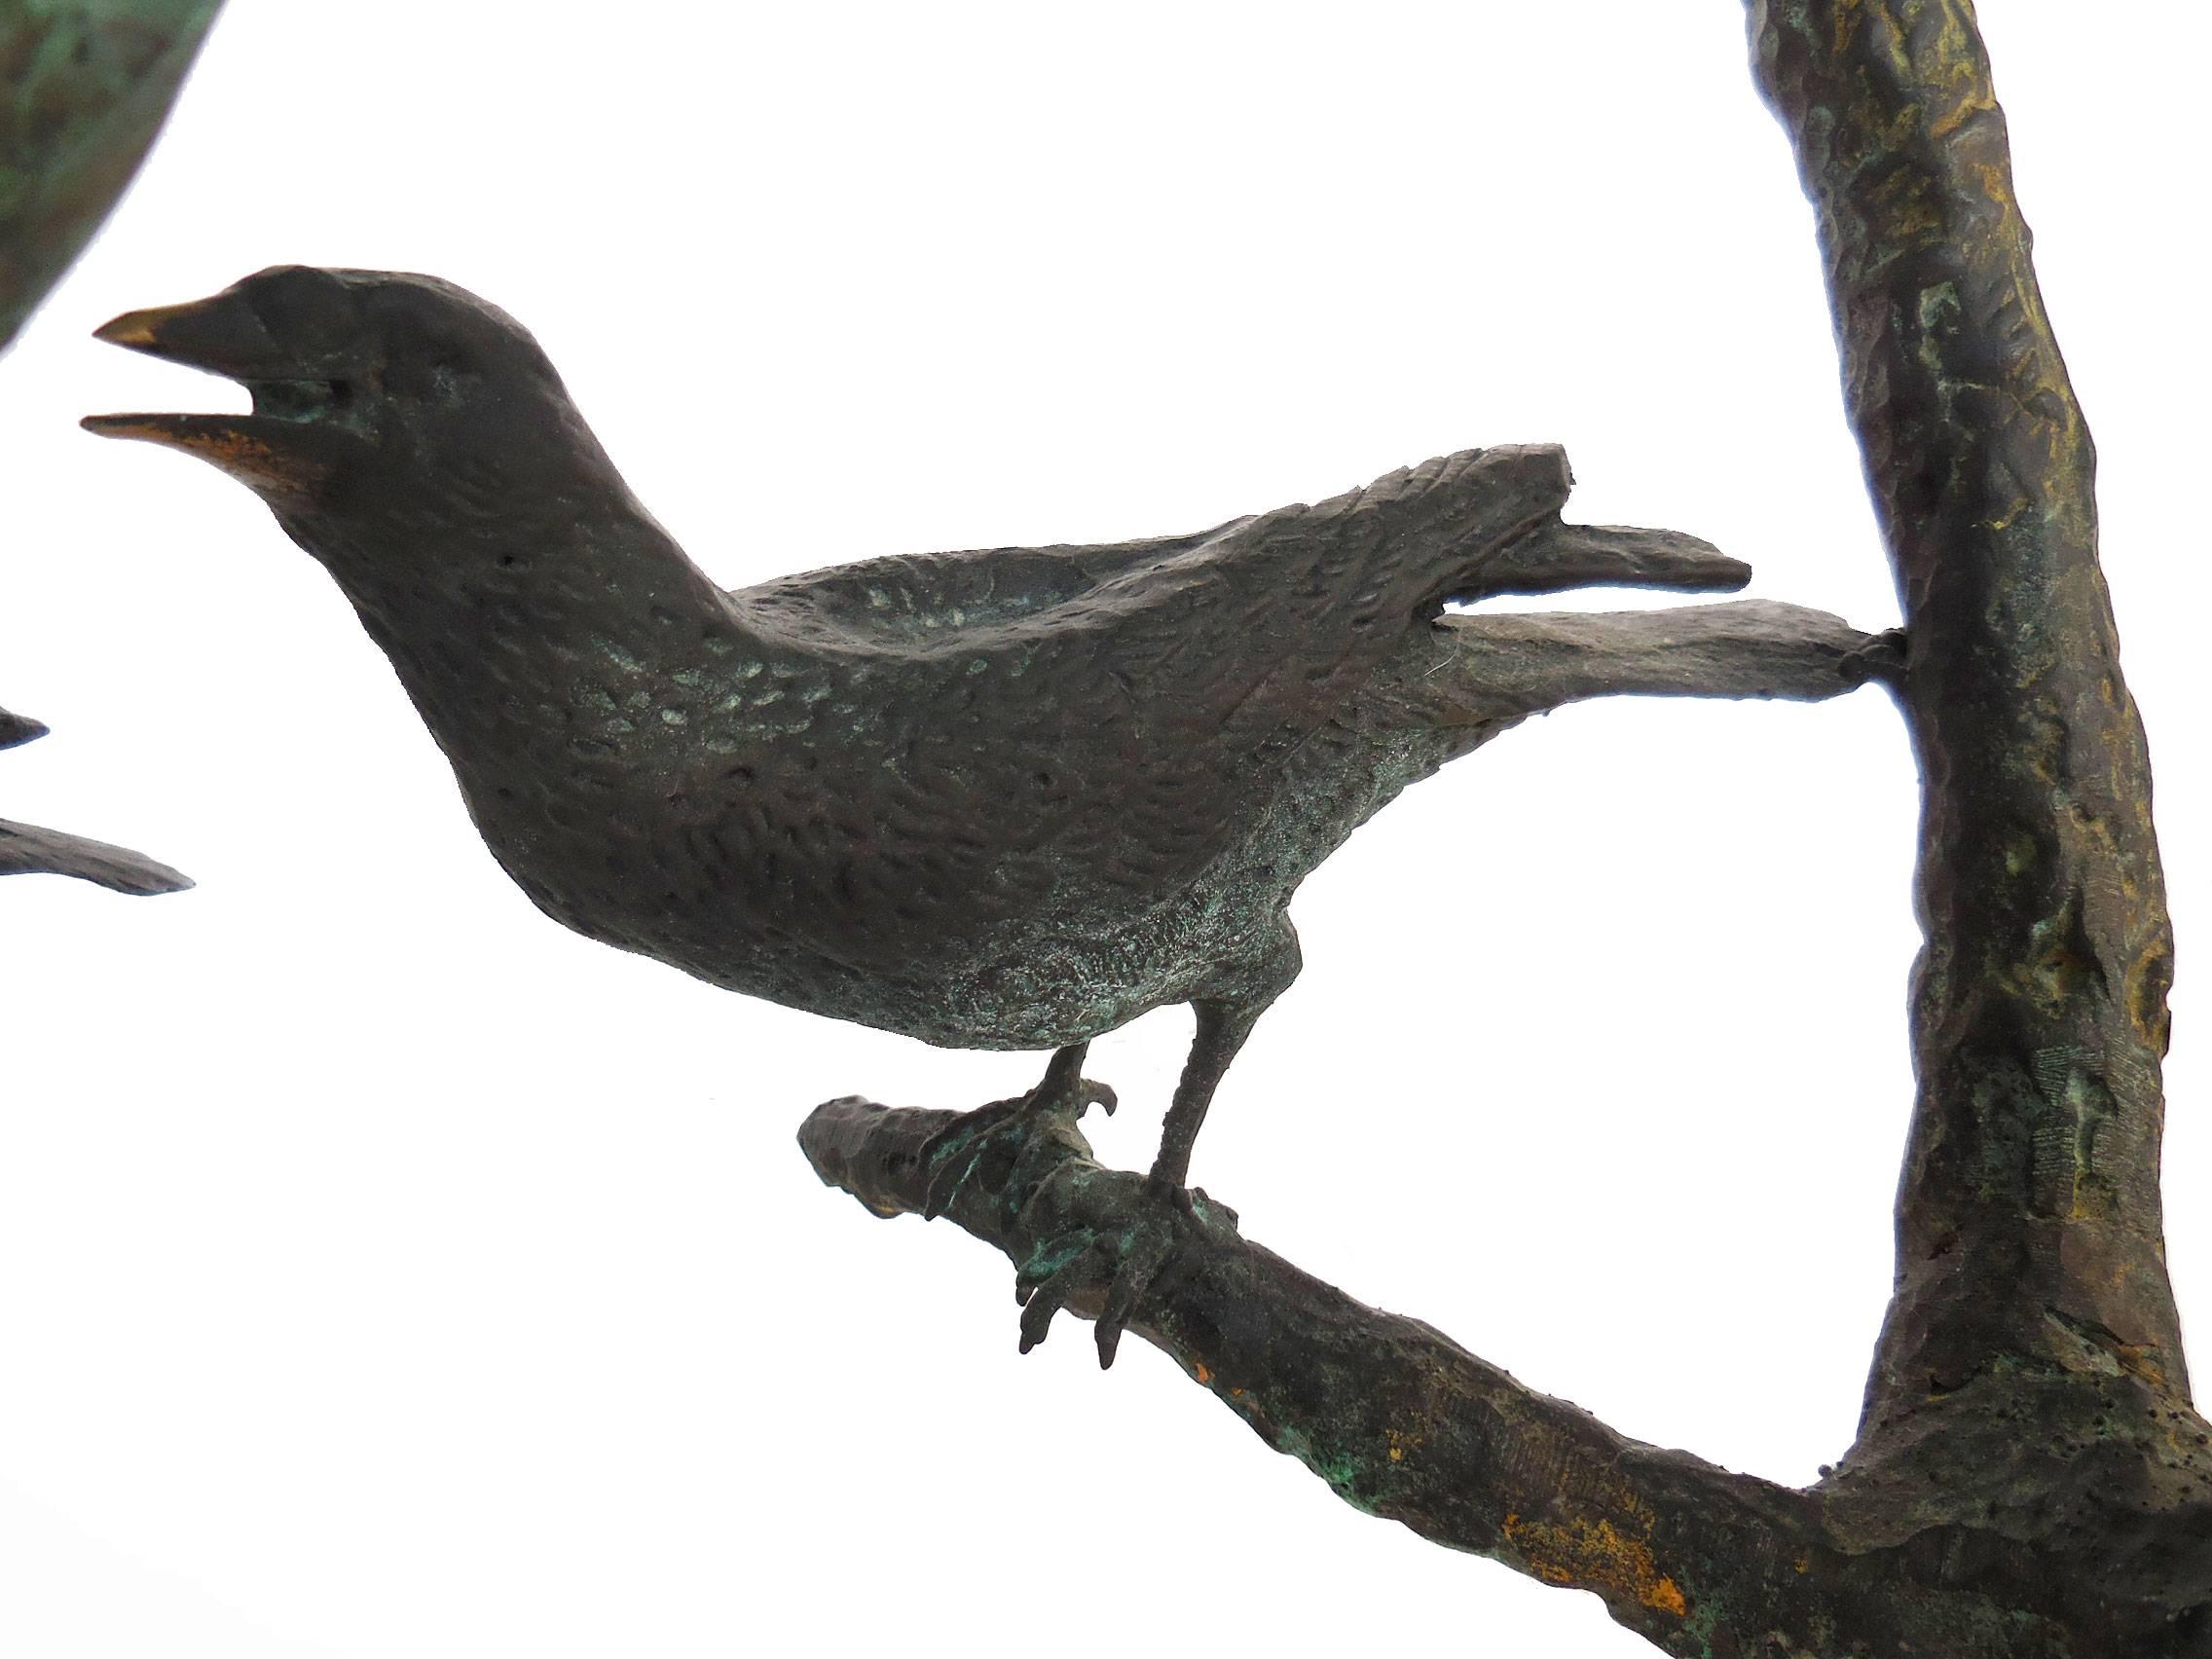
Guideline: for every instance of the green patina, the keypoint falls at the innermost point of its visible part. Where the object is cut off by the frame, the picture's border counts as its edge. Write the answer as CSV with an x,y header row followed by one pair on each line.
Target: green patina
x,y
84,88
2031,1479
1341,1469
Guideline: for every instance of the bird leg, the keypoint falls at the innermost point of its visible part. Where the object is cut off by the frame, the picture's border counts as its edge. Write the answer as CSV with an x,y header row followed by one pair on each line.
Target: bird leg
x,y
1223,1027
1117,1270
951,1153
1124,1267
1063,1084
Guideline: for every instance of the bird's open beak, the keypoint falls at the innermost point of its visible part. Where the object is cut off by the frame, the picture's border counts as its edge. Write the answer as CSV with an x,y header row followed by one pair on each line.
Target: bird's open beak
x,y
222,335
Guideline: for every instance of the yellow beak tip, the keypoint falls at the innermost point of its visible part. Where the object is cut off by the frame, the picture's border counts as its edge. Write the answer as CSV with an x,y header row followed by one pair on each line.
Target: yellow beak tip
x,y
133,330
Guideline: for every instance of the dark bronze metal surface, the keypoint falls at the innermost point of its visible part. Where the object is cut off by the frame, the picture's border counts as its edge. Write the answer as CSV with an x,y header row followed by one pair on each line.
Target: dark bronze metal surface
x,y
999,800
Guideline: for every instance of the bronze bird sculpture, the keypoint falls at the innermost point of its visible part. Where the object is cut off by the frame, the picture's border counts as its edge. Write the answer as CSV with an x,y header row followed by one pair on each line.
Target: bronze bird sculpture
x,y
999,799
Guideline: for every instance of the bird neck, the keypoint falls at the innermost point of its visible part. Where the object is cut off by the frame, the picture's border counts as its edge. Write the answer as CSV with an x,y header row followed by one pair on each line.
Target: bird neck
x,y
530,626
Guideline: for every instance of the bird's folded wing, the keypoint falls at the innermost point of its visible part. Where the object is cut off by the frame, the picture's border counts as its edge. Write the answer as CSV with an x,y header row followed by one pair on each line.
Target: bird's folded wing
x,y
925,597
1117,721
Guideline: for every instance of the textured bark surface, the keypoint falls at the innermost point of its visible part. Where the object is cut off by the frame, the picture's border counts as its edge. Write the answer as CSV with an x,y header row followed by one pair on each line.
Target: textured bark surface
x,y
1400,1420
1404,1424
2030,1479
2030,1375
2040,1003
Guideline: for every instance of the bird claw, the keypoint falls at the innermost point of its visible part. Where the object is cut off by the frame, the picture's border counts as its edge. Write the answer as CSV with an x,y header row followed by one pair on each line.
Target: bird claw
x,y
1121,1269
950,1154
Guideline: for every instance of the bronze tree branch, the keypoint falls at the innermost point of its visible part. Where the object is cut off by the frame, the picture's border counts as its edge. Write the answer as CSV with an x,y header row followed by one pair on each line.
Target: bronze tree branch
x,y
2030,1479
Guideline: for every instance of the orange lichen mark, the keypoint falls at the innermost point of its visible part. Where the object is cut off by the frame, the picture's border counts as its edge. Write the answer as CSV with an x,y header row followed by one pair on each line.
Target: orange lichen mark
x,y
1980,100
1954,64
1803,1564
1402,1442
1200,1372
1667,1597
1595,1555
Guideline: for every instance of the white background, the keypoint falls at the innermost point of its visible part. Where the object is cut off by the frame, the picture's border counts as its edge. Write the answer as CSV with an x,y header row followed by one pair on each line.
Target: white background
x,y
384,1271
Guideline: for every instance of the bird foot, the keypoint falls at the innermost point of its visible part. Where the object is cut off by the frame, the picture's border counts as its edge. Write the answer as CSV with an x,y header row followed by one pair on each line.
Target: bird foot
x,y
952,1154
1118,1269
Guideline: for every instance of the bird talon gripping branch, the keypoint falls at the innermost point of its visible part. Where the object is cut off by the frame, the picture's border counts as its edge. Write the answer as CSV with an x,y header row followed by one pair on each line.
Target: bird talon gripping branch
x,y
998,800
953,1155
1111,1273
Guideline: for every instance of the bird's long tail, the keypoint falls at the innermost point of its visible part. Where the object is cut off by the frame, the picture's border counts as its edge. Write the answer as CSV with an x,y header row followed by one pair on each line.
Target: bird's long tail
x,y
1502,666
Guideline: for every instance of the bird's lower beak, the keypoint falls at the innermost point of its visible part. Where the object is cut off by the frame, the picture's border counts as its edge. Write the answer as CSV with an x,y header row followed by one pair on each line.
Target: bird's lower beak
x,y
250,448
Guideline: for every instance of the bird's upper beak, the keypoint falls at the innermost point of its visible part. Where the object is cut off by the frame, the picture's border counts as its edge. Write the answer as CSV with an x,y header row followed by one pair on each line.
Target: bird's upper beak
x,y
223,335
282,455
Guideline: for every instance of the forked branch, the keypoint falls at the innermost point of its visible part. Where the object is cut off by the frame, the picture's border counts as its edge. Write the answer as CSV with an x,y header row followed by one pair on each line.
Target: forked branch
x,y
1406,1424
2030,1479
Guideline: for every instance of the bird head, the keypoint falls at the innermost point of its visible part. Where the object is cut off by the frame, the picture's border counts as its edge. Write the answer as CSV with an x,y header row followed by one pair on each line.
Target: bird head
x,y
355,376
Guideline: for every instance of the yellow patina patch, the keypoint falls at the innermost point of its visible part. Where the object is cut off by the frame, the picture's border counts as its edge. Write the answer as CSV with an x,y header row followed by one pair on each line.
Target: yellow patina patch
x,y
1595,1555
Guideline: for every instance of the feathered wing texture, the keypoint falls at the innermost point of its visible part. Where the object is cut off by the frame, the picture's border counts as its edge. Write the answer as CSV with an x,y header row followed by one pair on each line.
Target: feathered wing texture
x,y
920,596
1169,689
